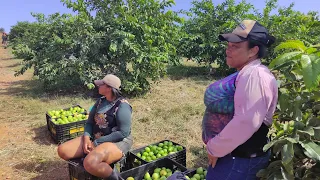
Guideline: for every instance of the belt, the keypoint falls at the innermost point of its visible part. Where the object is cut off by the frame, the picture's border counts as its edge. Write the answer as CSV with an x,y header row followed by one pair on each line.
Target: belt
x,y
248,154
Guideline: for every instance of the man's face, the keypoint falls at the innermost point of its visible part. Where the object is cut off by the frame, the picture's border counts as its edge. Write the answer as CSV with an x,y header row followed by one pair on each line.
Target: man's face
x,y
238,54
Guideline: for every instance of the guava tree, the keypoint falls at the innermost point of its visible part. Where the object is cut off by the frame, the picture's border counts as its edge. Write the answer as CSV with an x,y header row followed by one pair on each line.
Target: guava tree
x,y
207,20
296,128
133,39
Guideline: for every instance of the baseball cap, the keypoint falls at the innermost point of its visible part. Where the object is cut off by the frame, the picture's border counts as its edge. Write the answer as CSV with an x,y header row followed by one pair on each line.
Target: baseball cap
x,y
249,29
110,80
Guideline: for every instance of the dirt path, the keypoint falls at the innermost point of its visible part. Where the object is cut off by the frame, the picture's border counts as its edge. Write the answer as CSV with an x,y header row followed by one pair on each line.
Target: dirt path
x,y
7,64
25,152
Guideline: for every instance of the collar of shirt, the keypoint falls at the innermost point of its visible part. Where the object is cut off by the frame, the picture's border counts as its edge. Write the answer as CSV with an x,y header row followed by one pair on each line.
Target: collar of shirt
x,y
253,63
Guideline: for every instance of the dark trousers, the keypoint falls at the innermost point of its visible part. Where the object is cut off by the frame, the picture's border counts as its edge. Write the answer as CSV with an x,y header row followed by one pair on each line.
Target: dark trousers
x,y
236,168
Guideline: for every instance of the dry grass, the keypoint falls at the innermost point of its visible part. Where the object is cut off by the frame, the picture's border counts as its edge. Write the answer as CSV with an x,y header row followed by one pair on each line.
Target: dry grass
x,y
172,110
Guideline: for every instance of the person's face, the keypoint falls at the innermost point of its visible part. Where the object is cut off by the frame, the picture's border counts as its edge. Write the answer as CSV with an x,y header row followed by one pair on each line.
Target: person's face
x,y
239,54
104,89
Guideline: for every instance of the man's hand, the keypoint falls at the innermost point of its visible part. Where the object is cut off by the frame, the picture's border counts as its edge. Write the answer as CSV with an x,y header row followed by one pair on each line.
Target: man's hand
x,y
212,160
87,144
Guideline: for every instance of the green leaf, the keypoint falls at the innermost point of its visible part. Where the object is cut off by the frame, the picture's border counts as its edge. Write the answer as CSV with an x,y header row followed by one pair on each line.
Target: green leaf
x,y
278,147
311,149
287,154
298,151
316,97
317,106
262,173
284,58
273,142
310,70
291,140
113,47
305,118
297,114
283,102
286,175
290,75
276,173
291,44
275,164
311,50
284,65
313,121
316,133
307,130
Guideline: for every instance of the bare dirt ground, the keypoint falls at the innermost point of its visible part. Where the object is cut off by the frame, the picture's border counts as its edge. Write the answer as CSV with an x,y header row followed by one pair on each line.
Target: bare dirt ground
x,y
20,144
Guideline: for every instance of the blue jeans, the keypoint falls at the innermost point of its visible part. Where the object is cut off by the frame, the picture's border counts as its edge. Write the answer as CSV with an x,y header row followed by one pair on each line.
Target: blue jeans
x,y
235,168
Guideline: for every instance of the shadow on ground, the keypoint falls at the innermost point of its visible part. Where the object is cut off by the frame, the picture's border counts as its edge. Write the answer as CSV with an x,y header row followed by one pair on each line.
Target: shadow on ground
x,y
7,58
35,89
57,170
13,65
42,136
30,88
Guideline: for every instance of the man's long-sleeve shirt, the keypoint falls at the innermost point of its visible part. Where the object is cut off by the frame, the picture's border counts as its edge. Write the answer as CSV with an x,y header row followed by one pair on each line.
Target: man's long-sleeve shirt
x,y
255,100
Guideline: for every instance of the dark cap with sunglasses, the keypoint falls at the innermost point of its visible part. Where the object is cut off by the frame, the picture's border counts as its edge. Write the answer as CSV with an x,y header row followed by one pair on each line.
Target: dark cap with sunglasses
x,y
110,80
249,29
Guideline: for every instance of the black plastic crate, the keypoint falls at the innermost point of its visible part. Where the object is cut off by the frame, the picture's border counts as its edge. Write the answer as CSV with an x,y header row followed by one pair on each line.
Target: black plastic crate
x,y
64,132
180,156
139,172
190,173
77,171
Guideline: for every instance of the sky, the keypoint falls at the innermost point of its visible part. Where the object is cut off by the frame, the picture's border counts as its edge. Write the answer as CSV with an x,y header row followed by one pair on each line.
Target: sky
x,y
13,11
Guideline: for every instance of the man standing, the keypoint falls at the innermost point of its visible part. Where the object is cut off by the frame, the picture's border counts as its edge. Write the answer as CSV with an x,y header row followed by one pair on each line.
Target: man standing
x,y
4,39
236,152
